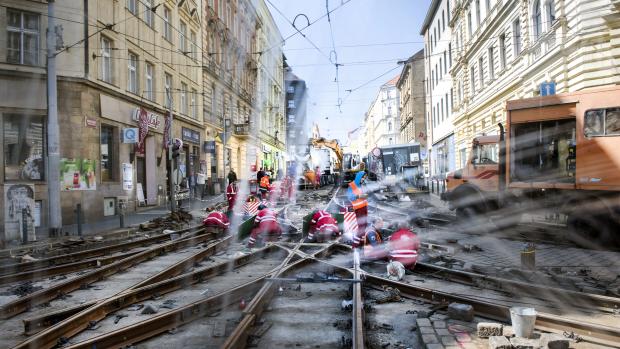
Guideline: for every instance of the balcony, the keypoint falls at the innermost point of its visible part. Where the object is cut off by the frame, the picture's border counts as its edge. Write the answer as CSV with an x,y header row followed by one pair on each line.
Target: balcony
x,y
242,130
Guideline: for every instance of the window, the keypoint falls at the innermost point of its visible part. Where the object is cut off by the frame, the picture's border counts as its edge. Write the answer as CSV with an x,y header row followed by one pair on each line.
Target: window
x,y
502,51
183,37
108,153
291,104
167,26
22,37
491,64
481,71
447,110
448,9
439,28
440,68
485,154
194,47
450,55
131,6
184,98
442,110
290,89
106,60
516,37
472,79
194,104
390,126
443,20
469,25
478,18
132,74
167,89
149,16
451,99
23,147
602,122
536,19
431,43
148,86
550,9
488,3
463,156
445,62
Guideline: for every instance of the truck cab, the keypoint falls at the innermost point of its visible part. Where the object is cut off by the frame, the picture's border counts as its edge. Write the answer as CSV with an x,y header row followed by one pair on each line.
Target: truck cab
x,y
476,185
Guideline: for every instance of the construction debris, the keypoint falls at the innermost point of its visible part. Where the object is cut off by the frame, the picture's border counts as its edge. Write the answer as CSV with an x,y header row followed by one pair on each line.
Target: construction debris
x,y
148,310
22,290
395,271
489,329
391,295
463,312
174,221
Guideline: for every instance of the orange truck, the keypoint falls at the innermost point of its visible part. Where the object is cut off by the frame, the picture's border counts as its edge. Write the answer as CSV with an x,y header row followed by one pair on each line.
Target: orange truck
x,y
559,153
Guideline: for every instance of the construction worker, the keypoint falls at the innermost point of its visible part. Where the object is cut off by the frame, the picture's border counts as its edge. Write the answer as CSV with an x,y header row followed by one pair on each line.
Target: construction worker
x,y
372,241
323,227
404,246
231,195
263,186
265,226
358,203
216,219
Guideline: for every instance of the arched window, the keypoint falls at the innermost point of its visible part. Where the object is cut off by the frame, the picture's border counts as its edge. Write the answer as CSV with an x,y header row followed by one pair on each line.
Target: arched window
x,y
390,126
537,19
550,10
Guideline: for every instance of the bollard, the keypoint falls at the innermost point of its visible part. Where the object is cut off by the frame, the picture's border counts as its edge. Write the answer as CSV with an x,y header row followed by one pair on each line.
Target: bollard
x,y
24,226
121,217
78,212
528,256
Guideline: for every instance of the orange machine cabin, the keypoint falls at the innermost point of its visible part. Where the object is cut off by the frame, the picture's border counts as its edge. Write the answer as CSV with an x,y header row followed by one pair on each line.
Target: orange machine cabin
x,y
564,141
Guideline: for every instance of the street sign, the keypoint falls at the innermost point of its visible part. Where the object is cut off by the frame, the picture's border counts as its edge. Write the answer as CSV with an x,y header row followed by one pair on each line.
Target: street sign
x,y
209,147
547,88
130,135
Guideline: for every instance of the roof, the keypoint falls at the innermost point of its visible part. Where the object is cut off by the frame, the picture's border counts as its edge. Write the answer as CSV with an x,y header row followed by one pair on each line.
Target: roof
x,y
429,15
392,81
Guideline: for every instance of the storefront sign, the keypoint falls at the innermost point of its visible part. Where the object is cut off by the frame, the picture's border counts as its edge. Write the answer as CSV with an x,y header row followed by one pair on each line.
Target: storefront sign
x,y
18,211
209,147
127,177
77,174
190,135
153,120
129,135
88,122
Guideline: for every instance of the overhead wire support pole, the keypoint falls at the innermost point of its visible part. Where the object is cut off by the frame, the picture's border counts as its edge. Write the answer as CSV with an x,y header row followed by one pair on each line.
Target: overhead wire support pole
x,y
173,202
53,146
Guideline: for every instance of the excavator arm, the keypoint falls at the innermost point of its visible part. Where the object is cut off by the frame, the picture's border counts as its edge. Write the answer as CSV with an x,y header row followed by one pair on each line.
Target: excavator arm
x,y
331,144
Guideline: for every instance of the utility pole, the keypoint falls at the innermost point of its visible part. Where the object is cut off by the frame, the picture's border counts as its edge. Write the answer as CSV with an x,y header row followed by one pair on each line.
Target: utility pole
x,y
53,148
173,202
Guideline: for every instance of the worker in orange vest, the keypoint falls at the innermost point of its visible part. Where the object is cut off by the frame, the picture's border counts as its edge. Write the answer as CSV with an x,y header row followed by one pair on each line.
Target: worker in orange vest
x,y
263,186
372,241
359,204
404,246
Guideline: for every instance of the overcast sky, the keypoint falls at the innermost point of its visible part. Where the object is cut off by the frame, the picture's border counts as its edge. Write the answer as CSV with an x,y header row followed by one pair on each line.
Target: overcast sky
x,y
378,34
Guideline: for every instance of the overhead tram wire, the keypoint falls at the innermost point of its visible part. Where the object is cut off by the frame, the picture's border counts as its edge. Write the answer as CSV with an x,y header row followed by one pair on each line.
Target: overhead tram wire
x,y
335,61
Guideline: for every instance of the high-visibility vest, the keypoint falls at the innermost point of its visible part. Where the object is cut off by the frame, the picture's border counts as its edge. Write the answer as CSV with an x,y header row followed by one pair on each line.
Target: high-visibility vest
x,y
359,202
369,249
264,182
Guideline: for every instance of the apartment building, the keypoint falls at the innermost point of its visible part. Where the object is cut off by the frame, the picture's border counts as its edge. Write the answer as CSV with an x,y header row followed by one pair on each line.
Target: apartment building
x,y
439,51
229,80
382,121
509,49
118,62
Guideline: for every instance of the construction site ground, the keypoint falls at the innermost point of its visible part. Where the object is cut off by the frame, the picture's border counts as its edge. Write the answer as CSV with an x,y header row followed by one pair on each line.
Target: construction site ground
x,y
253,312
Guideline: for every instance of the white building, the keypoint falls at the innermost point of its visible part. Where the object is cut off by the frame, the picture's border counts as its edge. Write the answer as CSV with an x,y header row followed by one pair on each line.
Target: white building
x,y
439,91
382,121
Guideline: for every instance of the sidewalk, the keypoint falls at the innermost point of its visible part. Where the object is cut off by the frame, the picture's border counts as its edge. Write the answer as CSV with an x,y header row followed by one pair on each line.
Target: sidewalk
x,y
196,208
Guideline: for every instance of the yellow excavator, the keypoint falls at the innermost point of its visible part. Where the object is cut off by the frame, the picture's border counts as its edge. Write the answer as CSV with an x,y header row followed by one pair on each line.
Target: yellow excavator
x,y
334,146
346,165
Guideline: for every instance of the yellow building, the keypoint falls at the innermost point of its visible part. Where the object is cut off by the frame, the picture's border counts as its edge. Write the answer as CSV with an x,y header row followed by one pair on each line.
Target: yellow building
x,y
512,49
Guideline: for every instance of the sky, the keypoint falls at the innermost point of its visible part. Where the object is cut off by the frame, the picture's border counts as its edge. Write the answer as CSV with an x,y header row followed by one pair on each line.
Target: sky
x,y
370,37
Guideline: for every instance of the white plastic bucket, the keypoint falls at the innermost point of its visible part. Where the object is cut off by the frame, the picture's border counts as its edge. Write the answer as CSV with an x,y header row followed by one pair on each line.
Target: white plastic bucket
x,y
523,321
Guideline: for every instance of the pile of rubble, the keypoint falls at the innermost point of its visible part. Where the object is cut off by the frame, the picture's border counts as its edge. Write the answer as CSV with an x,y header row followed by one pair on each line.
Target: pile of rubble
x,y
173,221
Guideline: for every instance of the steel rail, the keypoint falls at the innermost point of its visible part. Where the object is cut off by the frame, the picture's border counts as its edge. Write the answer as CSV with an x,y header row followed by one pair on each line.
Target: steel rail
x,y
22,304
96,252
73,325
62,269
183,315
358,305
590,332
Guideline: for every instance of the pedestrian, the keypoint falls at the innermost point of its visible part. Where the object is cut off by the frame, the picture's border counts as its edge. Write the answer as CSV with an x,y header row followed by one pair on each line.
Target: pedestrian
x,y
358,201
266,227
372,241
317,177
200,182
231,195
263,186
232,176
404,246
323,227
260,174
216,219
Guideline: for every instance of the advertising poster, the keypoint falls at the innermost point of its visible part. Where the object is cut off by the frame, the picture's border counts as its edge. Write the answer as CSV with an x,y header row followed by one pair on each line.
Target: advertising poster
x,y
127,177
77,174
19,207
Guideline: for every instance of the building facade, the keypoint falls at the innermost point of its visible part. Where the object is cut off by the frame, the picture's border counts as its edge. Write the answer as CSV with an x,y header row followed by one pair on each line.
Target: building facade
x,y
439,51
270,93
296,123
515,49
229,82
382,121
412,106
128,61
